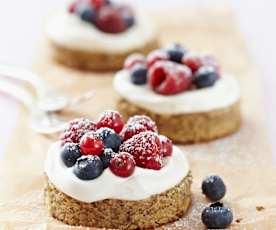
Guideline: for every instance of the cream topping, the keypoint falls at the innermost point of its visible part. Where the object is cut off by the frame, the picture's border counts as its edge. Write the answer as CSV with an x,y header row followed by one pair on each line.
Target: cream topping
x,y
142,184
69,31
224,93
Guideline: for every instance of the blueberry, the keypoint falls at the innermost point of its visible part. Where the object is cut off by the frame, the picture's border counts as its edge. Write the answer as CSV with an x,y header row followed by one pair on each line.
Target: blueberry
x,y
88,167
70,153
138,74
106,156
213,187
176,52
113,141
86,12
206,76
217,216
104,132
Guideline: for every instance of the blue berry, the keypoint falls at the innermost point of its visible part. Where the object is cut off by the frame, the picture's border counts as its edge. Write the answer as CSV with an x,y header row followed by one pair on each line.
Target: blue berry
x,y
104,132
113,141
176,52
88,167
107,156
217,216
86,12
70,153
213,187
206,76
138,74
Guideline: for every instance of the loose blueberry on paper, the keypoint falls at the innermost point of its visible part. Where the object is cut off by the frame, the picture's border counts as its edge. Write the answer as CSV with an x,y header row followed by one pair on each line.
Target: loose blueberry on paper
x,y
217,216
213,187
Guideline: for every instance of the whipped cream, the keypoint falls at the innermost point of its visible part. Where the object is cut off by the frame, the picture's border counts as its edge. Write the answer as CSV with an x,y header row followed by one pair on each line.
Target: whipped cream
x,y
69,31
142,184
224,93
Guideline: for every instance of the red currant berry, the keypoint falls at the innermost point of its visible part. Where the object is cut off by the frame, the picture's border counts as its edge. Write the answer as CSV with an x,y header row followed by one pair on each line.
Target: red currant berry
x,y
112,120
91,144
122,165
167,146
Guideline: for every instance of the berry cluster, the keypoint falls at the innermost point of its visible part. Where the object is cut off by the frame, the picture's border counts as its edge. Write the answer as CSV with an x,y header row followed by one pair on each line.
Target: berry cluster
x,y
105,15
172,70
216,216
90,147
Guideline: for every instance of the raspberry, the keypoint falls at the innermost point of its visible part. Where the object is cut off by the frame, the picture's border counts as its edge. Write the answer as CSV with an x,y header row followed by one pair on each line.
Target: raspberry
x,y
169,78
110,20
76,129
157,55
143,120
122,165
167,146
91,144
134,59
138,124
193,61
145,147
112,120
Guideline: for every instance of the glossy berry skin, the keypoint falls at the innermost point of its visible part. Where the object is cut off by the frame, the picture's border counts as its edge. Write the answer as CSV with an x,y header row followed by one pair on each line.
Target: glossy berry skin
x,y
86,12
122,165
76,129
176,52
145,147
91,144
88,167
213,187
113,141
155,56
167,146
70,153
134,59
138,74
107,156
110,20
112,120
206,76
169,78
217,216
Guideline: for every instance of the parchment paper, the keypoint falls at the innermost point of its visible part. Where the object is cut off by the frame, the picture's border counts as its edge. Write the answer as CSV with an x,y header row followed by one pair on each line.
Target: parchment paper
x,y
244,159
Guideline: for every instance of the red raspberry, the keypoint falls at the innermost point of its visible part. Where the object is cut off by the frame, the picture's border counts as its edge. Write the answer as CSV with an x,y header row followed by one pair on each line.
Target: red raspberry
x,y
91,144
138,124
194,61
169,78
112,120
97,4
167,146
157,55
110,20
132,129
76,129
122,165
143,120
145,147
134,59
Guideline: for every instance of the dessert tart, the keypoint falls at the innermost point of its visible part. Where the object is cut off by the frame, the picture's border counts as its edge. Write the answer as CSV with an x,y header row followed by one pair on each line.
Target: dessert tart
x,y
184,92
110,174
99,34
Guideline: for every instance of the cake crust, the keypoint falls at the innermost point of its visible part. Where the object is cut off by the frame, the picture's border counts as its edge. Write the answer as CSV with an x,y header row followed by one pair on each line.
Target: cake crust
x,y
189,127
86,60
110,213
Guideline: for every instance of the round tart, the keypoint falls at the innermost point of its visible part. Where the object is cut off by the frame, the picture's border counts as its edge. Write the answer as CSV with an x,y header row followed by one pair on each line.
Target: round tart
x,y
185,93
99,34
111,174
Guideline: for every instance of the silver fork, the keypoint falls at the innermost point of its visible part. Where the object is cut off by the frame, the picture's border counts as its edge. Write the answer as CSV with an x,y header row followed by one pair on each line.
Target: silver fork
x,y
40,121
47,100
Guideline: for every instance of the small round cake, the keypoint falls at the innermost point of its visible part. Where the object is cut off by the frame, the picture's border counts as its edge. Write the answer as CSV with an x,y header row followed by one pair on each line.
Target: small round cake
x,y
111,174
99,34
183,92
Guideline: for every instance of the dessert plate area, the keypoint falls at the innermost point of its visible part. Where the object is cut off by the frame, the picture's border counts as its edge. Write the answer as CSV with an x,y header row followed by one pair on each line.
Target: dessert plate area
x,y
243,160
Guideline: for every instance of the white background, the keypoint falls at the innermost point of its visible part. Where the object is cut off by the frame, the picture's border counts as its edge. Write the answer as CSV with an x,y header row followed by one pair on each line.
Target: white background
x,y
21,25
